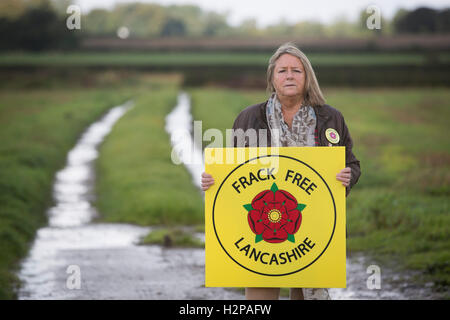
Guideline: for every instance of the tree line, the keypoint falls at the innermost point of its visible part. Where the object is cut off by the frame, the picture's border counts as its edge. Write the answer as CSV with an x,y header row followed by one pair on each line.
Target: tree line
x,y
41,24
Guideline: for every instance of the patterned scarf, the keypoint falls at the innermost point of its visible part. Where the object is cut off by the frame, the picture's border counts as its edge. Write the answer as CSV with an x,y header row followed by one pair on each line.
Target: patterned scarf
x,y
303,125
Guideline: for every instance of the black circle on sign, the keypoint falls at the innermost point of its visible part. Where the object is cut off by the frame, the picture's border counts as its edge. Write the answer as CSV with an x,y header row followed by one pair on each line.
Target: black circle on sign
x,y
266,274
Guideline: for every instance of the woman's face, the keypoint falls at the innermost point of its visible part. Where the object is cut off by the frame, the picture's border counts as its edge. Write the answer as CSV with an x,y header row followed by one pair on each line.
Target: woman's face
x,y
289,76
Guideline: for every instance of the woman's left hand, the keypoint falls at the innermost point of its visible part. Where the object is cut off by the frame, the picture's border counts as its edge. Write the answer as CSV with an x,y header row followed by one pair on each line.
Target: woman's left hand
x,y
344,176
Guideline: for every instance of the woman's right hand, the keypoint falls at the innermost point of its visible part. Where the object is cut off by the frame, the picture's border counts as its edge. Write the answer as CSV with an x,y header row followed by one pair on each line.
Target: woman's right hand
x,y
207,181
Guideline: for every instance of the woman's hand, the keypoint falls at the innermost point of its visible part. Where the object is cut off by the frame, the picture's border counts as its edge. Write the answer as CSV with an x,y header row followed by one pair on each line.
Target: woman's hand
x,y
344,176
207,181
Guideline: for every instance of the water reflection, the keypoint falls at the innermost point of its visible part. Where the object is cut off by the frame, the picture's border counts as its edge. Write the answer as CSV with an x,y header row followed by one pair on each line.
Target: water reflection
x,y
185,151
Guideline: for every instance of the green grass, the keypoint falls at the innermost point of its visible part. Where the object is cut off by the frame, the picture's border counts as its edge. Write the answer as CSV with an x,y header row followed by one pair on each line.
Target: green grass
x,y
208,59
37,129
137,181
173,237
399,210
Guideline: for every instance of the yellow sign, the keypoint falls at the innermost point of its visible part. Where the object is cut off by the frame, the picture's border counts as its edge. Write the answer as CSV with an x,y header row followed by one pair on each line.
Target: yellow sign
x,y
275,218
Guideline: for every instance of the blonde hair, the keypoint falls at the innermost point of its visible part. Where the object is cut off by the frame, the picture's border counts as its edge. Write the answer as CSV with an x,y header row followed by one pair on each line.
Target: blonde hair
x,y
313,95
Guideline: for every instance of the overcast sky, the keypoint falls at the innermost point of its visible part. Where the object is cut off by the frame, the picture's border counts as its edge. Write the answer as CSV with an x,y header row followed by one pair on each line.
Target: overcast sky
x,y
272,11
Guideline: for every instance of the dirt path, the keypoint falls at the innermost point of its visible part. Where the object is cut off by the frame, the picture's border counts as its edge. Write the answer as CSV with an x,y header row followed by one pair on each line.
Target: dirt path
x,y
112,266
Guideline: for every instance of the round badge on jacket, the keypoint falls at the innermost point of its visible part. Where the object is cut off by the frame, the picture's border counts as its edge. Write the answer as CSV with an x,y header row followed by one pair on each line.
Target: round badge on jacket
x,y
332,135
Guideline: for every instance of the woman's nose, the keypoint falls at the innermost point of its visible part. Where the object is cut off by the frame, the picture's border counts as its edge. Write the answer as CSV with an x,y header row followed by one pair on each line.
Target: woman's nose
x,y
290,74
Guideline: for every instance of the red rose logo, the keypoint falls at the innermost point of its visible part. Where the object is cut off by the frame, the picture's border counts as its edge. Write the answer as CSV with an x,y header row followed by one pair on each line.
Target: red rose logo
x,y
274,215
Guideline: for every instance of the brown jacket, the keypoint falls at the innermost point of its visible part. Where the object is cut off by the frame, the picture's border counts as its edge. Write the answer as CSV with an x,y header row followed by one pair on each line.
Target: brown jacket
x,y
254,117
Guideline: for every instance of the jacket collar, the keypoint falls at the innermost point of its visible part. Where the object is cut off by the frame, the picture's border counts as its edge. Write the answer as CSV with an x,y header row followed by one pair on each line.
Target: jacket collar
x,y
262,114
321,114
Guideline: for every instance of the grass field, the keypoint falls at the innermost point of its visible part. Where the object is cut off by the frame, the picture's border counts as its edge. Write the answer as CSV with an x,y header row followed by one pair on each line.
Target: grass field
x,y
399,210
137,181
152,59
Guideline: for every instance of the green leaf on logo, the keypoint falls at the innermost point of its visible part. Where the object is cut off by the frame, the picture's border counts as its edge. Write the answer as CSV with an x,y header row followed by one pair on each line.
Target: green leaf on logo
x,y
258,238
291,238
248,207
301,206
274,187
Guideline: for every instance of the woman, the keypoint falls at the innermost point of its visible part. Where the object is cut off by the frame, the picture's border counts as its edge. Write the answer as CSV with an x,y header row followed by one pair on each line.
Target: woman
x,y
296,110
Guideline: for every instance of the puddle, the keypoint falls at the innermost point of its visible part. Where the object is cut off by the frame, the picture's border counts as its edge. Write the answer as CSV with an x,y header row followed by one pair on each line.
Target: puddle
x,y
179,126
